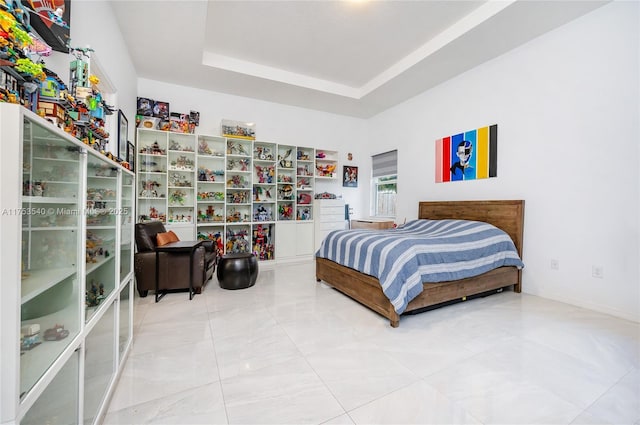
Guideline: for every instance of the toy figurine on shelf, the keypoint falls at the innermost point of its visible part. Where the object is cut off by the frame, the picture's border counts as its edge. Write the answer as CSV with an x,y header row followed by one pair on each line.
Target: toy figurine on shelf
x,y
217,237
175,146
56,333
303,183
153,149
182,163
153,213
285,162
203,147
149,189
29,336
304,214
286,192
95,294
257,191
284,178
325,195
177,197
244,164
286,211
304,198
326,170
261,213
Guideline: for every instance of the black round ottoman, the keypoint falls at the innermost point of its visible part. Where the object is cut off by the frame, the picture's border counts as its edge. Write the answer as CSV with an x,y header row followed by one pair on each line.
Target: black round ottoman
x,y
237,271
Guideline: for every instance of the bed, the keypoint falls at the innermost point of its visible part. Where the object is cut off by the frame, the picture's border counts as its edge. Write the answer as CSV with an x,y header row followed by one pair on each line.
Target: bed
x,y
507,215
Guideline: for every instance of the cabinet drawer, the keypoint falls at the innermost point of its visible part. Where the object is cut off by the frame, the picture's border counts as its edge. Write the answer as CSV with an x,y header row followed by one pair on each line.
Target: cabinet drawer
x,y
332,217
335,225
332,210
372,224
326,203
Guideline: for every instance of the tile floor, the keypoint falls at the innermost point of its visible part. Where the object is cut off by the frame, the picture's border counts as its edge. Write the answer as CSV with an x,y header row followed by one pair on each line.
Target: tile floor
x,y
292,351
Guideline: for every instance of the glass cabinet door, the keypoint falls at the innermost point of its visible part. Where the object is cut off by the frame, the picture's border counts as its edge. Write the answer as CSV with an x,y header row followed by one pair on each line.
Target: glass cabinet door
x,y
124,331
126,214
58,404
99,364
102,178
51,214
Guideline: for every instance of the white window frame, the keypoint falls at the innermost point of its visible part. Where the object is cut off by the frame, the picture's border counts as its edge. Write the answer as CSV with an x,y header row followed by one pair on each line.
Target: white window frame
x,y
375,183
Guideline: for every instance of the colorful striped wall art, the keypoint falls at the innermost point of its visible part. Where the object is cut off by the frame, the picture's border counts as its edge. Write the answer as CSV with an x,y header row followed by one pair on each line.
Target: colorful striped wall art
x,y
470,155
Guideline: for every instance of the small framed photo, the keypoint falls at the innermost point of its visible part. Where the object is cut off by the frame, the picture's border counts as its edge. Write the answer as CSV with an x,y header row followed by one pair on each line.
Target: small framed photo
x,y
350,178
123,130
131,156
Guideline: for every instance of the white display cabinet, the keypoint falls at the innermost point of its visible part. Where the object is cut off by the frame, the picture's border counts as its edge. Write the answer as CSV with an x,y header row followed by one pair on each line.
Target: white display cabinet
x,y
211,189
326,164
167,176
61,205
152,146
100,235
286,180
305,166
264,200
235,191
181,187
238,182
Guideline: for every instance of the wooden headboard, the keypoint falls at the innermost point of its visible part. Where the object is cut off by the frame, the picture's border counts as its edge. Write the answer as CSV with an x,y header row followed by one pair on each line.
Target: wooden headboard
x,y
506,215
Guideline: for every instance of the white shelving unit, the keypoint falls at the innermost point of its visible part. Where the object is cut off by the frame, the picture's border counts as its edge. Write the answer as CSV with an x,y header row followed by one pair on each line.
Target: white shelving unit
x,y
247,195
56,193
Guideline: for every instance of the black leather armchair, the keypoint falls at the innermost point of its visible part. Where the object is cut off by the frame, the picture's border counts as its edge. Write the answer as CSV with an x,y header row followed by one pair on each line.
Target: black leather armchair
x,y
173,267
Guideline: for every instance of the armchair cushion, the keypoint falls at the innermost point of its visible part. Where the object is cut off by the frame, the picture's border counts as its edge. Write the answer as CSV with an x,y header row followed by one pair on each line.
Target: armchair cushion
x,y
165,238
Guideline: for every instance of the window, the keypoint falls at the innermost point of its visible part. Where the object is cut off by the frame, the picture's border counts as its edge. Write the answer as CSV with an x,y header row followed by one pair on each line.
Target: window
x,y
384,184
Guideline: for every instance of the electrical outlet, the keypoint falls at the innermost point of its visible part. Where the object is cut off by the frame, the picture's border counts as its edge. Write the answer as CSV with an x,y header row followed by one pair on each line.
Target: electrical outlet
x,y
597,272
555,264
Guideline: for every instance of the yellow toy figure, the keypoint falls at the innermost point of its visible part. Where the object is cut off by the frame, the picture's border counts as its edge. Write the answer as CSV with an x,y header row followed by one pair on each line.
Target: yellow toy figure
x,y
94,80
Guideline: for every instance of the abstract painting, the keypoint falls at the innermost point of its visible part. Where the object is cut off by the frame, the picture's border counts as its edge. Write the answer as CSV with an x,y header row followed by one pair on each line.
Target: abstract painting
x,y
470,155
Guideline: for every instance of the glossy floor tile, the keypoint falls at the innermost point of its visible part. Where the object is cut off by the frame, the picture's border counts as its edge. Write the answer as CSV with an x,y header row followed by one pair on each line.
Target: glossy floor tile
x,y
290,350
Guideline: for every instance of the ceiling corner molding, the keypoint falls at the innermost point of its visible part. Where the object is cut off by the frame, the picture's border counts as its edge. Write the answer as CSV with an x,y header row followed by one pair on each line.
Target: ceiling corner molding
x,y
464,25
275,74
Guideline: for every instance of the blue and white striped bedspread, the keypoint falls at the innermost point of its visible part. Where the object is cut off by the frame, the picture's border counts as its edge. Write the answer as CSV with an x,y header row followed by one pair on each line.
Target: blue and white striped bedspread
x,y
421,251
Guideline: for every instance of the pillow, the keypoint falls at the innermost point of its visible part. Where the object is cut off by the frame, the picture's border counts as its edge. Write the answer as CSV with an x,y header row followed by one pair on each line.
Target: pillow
x,y
166,238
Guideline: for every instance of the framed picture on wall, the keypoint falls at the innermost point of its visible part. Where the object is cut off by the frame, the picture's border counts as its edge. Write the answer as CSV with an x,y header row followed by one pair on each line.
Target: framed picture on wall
x,y
131,156
350,178
123,130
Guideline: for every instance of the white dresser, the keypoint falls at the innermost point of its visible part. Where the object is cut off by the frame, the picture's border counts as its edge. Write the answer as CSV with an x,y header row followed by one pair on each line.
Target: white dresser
x,y
329,215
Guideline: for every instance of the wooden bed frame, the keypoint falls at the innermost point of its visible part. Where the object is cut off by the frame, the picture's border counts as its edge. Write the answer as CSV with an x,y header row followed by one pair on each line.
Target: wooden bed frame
x,y
366,289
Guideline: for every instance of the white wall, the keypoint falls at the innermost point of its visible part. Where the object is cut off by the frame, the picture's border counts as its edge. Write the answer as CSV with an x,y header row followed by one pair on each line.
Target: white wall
x,y
275,123
567,109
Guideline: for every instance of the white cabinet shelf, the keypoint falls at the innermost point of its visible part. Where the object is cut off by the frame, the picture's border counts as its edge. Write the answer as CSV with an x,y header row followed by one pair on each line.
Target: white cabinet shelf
x,y
36,282
48,200
69,199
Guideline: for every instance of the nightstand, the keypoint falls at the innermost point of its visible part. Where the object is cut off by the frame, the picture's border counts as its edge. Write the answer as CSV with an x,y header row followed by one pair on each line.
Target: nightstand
x,y
371,223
